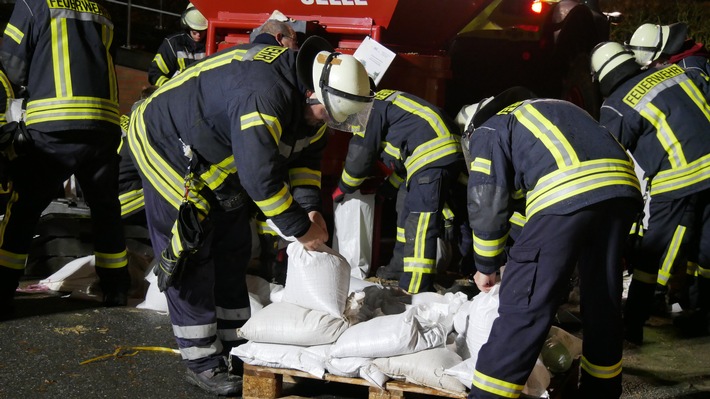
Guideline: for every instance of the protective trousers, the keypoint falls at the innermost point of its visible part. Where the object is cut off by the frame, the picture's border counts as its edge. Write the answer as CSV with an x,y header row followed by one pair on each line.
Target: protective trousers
x,y
539,266
678,231
211,300
37,179
421,216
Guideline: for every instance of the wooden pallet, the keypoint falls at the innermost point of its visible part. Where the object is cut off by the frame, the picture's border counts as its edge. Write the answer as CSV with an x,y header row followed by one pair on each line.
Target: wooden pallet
x,y
267,383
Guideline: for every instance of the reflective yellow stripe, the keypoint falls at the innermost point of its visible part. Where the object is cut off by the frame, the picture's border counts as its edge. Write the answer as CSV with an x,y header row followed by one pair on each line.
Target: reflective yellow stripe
x,y
391,150
276,204
692,268
688,175
400,235
257,119
131,201
395,180
489,248
603,372
671,255
304,177
12,260
581,178
160,62
418,267
216,174
518,219
432,118
60,58
161,81
263,228
74,108
13,33
181,64
431,151
111,261
549,134
703,272
643,277
107,38
351,181
12,199
481,165
167,182
420,234
697,96
319,134
665,135
496,386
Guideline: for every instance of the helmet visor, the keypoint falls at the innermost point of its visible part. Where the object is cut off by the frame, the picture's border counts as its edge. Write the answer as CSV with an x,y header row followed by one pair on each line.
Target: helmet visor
x,y
347,115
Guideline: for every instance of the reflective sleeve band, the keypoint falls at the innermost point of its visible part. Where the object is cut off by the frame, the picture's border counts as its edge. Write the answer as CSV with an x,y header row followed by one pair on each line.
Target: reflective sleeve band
x,y
111,261
277,204
496,386
304,177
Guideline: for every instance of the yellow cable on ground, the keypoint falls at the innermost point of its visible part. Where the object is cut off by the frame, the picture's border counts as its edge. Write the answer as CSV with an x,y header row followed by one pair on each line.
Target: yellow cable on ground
x,y
123,352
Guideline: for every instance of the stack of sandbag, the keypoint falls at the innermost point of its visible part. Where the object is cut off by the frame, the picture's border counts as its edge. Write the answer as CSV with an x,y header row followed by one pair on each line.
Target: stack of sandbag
x,y
375,333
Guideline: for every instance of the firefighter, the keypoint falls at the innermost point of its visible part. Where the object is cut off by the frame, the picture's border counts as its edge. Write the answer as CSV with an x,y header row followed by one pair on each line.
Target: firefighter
x,y
130,187
578,190
421,146
657,45
62,53
662,117
209,142
180,50
7,94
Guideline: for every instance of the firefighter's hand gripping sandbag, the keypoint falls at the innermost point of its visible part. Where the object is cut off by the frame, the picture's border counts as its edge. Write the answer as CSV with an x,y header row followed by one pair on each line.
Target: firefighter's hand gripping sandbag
x,y
175,256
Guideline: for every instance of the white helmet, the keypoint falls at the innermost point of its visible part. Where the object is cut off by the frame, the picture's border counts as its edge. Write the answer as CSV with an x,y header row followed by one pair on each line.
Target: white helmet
x,y
649,41
612,64
193,19
465,116
341,83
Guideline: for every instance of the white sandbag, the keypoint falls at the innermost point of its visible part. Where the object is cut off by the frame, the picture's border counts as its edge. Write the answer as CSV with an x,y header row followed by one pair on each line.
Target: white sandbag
x,y
77,275
154,299
289,324
317,280
308,359
357,367
424,368
482,313
353,231
390,335
536,385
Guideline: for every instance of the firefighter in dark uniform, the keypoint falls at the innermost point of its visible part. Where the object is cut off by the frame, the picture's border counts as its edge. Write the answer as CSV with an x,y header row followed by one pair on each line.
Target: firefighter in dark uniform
x,y
130,186
658,45
7,134
422,147
62,53
207,143
180,50
578,191
662,117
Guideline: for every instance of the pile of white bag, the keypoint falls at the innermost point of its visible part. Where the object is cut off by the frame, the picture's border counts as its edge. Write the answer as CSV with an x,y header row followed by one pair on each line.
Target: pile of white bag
x,y
323,324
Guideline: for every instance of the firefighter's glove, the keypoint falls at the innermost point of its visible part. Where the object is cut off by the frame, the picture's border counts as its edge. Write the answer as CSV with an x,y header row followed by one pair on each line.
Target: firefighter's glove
x,y
338,195
386,190
190,235
169,269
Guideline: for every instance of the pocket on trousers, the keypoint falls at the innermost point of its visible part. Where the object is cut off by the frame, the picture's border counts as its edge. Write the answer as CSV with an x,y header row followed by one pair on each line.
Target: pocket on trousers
x,y
521,283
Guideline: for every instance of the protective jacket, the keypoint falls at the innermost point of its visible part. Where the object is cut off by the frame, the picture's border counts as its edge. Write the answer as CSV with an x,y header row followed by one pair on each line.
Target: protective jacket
x,y
534,158
230,124
70,87
176,53
671,147
407,133
7,94
692,56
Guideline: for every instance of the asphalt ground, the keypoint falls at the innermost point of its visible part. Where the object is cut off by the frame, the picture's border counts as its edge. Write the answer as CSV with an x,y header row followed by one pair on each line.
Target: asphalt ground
x,y
59,347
